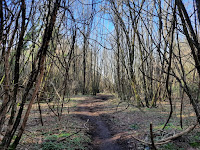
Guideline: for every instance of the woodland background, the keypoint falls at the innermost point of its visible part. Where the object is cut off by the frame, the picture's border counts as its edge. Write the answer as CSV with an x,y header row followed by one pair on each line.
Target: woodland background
x,y
144,52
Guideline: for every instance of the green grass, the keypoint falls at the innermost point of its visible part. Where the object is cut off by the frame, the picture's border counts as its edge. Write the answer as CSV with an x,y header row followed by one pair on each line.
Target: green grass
x,y
195,144
169,146
74,142
64,135
53,146
168,127
134,126
195,141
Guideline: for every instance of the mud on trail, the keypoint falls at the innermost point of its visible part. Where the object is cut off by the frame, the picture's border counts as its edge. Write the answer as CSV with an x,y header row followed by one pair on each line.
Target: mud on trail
x,y
102,122
92,111
108,128
112,126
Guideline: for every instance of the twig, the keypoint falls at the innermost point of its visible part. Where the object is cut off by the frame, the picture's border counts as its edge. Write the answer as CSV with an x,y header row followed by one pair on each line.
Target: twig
x,y
146,143
86,124
62,139
151,134
122,109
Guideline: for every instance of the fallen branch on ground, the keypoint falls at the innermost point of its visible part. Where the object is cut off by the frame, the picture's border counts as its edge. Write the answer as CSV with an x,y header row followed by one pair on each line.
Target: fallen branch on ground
x,y
169,139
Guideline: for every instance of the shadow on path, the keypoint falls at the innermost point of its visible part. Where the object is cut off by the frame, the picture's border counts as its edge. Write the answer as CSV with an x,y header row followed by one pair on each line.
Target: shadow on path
x,y
98,129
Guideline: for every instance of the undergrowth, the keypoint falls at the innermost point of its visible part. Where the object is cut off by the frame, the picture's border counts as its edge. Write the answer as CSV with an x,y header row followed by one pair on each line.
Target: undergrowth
x,y
74,142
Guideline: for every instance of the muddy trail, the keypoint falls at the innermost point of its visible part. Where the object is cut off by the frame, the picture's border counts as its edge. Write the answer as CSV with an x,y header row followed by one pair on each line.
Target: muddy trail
x,y
90,110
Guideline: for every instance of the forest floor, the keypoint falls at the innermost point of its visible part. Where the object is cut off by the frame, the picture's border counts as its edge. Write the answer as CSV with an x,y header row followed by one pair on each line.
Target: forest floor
x,y
101,123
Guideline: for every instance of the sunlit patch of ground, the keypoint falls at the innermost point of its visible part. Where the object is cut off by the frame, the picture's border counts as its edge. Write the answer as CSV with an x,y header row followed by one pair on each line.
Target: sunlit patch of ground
x,y
136,122
46,137
123,123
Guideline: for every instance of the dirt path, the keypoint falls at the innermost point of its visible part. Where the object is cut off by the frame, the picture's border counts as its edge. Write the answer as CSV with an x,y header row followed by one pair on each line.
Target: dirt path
x,y
91,110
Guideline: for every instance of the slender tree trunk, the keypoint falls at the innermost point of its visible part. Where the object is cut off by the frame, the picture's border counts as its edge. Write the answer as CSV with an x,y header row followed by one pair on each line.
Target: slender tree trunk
x,y
194,45
41,55
84,66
